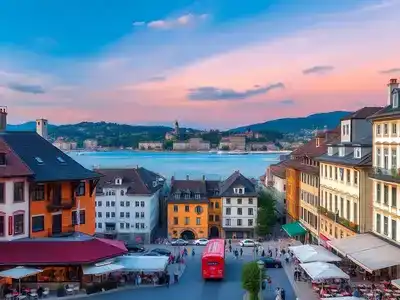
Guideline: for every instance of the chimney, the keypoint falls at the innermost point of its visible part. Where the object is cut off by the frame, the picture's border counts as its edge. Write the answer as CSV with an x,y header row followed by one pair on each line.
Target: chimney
x,y
393,84
204,177
41,128
3,118
326,133
187,177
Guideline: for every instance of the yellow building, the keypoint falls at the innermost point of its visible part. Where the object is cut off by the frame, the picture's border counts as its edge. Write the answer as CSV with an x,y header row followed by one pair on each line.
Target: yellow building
x,y
188,212
214,209
345,188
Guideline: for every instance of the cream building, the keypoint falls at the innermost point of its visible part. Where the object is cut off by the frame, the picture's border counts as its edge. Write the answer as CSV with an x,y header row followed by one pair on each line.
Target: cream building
x,y
150,146
345,206
193,144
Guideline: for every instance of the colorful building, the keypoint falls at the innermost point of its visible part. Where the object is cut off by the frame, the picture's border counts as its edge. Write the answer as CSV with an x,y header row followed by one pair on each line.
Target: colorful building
x,y
214,209
187,209
345,189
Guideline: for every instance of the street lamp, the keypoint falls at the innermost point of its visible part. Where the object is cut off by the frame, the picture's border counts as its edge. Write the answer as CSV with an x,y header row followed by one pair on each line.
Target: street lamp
x,y
260,264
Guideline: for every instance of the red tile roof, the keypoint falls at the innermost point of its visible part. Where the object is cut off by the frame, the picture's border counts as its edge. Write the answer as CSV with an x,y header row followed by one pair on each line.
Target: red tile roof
x,y
297,165
54,251
279,169
311,150
14,167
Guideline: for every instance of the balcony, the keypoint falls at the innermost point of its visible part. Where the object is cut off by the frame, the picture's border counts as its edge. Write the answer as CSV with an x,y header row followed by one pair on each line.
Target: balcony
x,y
56,205
389,175
342,221
63,231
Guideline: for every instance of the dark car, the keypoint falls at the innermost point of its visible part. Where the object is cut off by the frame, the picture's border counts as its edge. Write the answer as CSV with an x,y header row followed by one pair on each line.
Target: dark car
x,y
152,254
270,262
132,247
161,251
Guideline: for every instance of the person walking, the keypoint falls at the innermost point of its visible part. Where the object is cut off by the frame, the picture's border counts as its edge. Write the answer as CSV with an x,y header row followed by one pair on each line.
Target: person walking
x,y
241,252
263,253
256,250
176,276
230,248
283,294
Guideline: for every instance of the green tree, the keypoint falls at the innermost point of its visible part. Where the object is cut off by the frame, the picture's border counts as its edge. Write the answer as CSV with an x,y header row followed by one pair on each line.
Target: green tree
x,y
266,215
251,279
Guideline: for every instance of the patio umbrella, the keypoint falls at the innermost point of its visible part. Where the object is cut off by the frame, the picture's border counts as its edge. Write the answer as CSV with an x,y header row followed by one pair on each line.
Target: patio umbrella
x,y
20,272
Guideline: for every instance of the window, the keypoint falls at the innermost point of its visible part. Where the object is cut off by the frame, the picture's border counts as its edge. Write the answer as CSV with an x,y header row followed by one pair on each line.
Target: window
x,y
175,208
121,203
197,196
136,214
142,203
394,158
336,174
175,220
2,193
216,218
99,203
107,214
385,225
2,225
122,192
127,203
112,203
251,201
198,209
378,129
211,204
378,223
82,218
121,214
186,208
348,176
228,222
81,189
348,210
239,211
357,152
386,158
394,127
38,192
378,157
216,204
239,191
355,177
239,201
142,214
239,222
127,214
137,204
107,203
250,211
228,200
99,214
19,224
228,211
394,230
37,223
330,151
385,128
187,220
122,225
394,196
137,225
355,212
198,221
341,151
385,195
39,160
112,214
100,225
142,225
19,191
250,222
378,192
211,218
330,172
341,174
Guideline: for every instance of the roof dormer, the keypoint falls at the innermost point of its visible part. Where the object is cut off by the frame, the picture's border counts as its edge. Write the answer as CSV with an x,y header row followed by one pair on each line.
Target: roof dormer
x,y
3,161
395,98
118,181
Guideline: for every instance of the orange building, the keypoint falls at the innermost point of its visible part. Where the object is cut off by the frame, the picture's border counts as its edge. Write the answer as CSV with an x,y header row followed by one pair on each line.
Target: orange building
x,y
292,194
214,209
58,189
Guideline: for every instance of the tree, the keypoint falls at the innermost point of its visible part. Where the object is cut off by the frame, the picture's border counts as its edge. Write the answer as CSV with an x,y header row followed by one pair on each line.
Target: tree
x,y
266,215
251,279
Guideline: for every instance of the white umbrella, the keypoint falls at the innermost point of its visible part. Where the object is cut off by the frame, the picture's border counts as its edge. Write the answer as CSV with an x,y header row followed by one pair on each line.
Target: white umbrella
x,y
322,271
20,272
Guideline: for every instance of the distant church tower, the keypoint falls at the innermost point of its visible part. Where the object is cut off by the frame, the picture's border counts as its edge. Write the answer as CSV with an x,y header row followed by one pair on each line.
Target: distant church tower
x,y
41,128
176,128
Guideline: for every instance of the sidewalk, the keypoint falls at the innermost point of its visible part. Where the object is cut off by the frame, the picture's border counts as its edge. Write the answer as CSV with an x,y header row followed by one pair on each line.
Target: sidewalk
x,y
82,294
302,289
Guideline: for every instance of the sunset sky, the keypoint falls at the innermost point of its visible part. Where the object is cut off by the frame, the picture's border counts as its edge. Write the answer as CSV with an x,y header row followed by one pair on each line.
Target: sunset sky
x,y
206,63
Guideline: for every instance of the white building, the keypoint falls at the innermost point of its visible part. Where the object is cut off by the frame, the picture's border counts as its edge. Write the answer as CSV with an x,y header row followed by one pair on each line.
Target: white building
x,y
275,181
90,144
150,146
193,144
239,198
14,192
127,203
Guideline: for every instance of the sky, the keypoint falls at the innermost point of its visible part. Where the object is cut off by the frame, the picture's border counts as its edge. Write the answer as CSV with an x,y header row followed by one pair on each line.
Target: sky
x,y
206,63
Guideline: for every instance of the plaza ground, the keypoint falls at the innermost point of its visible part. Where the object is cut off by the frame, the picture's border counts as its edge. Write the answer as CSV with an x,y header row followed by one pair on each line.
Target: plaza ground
x,y
192,285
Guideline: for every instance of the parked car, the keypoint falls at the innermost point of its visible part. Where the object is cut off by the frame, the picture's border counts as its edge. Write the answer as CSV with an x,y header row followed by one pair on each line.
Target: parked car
x,y
247,243
133,247
152,254
201,242
270,262
161,251
179,242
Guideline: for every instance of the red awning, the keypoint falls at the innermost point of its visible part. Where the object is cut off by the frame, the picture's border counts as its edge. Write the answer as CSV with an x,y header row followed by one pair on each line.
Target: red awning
x,y
53,251
324,241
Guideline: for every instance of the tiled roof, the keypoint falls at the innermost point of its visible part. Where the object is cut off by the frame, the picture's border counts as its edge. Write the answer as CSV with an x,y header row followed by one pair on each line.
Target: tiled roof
x,y
14,166
311,150
188,189
212,187
139,181
348,160
45,161
237,179
362,113
279,169
53,251
387,111
297,165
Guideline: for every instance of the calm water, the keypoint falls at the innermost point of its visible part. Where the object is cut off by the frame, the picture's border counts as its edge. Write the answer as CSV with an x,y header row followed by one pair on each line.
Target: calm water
x,y
214,166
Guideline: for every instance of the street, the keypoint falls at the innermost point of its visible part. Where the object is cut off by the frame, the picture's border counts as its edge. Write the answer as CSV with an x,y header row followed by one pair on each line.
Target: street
x,y
192,284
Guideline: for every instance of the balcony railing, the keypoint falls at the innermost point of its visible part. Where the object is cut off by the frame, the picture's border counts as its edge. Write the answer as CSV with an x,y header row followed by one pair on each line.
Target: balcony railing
x,y
336,218
392,175
61,231
64,204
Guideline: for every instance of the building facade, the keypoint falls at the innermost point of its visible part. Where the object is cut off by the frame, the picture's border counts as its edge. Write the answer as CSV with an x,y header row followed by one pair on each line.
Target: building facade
x,y
128,203
275,182
90,144
151,146
214,209
233,143
345,193
187,209
193,144
239,202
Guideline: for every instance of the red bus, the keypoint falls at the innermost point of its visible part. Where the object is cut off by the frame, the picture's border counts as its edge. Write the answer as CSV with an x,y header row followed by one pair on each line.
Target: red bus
x,y
213,260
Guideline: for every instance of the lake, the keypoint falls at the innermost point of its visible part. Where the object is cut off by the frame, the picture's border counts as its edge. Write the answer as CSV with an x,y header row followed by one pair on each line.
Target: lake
x,y
212,165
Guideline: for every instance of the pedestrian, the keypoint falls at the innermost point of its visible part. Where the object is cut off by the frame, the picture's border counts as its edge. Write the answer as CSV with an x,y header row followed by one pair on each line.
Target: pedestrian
x,y
138,279
263,253
241,252
256,250
276,252
176,276
193,252
230,248
283,294
230,242
236,254
167,279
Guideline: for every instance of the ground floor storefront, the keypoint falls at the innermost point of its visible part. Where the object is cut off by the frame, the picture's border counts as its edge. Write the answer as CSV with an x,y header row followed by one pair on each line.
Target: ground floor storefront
x,y
238,233
295,230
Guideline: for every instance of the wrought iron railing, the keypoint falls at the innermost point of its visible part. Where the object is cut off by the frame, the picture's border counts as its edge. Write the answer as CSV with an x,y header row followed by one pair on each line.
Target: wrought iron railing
x,y
336,218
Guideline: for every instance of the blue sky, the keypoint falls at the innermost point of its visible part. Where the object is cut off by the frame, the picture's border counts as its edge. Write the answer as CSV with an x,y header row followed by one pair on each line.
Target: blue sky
x,y
90,55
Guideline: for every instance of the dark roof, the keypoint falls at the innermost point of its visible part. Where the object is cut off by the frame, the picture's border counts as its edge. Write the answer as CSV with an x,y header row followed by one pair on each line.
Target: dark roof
x,y
311,150
362,113
365,141
14,166
298,165
387,111
187,191
237,180
54,251
139,181
348,160
45,161
212,187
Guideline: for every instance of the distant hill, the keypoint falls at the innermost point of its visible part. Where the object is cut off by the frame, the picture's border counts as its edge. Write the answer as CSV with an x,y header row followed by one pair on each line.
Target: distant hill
x,y
329,119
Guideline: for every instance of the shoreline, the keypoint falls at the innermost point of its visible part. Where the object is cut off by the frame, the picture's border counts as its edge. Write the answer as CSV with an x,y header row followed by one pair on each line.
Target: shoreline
x,y
189,151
